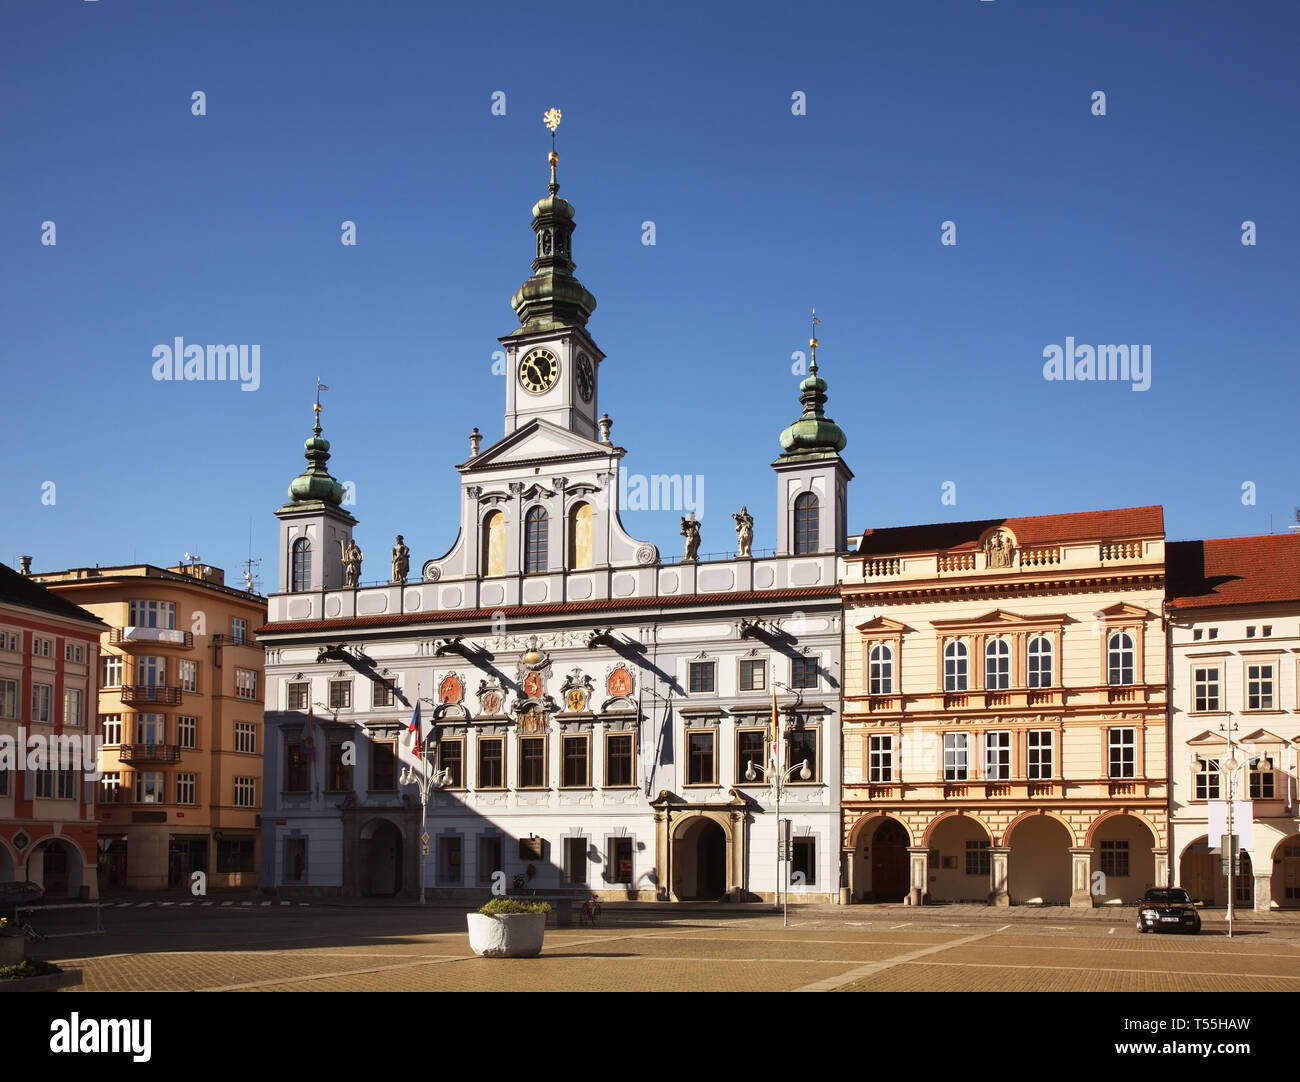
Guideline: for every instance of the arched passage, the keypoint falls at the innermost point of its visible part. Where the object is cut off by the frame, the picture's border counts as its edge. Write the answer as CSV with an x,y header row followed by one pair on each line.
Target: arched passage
x,y
700,859
1038,866
57,865
962,869
1286,873
1123,850
6,865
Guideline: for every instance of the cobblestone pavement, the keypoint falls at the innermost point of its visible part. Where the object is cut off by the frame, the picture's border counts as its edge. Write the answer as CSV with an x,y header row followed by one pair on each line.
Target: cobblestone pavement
x,y
648,948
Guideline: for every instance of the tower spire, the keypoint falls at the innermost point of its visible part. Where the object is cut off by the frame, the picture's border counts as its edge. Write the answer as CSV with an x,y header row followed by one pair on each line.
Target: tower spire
x,y
813,433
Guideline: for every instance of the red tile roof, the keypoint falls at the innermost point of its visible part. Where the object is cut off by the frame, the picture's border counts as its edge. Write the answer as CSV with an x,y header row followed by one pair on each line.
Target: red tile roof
x,y
1233,571
1125,522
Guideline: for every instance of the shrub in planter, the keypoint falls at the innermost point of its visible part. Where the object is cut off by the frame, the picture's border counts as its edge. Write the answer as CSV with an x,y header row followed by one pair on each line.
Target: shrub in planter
x,y
508,928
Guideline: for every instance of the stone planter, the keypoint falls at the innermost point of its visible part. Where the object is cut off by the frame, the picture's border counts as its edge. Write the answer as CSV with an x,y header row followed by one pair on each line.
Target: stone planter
x,y
51,982
511,935
11,950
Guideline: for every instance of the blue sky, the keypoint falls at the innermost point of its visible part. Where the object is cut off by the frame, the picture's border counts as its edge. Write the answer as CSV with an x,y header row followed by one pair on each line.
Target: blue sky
x,y
226,228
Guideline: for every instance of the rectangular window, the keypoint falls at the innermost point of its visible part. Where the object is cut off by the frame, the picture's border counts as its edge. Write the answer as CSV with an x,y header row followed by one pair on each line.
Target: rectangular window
x,y
451,758
955,767
997,756
979,861
532,762
1207,779
338,778
803,858
753,675
449,858
751,747
340,694
42,647
295,860
1042,746
880,758
620,861
44,784
238,631
236,855
699,756
1122,757
1259,687
1266,631
185,789
1114,859
801,747
381,694
246,737
1250,632
8,698
110,671
702,677
10,640
803,672
1205,688
149,787
1261,780
189,675
110,728
619,760
245,792
1214,632
152,614
491,758
489,857
297,768
575,860
109,787
187,732
42,702
298,696
574,753
74,653
67,785
151,728
72,698
383,766
151,671
246,683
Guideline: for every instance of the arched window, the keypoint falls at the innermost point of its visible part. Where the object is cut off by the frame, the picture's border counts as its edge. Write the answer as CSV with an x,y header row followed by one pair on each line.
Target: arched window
x,y
536,524
1040,662
300,573
997,665
1119,658
806,516
494,544
580,537
881,670
956,660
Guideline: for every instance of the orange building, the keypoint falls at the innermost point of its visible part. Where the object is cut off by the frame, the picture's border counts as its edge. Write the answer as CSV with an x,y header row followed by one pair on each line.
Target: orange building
x,y
180,714
1004,710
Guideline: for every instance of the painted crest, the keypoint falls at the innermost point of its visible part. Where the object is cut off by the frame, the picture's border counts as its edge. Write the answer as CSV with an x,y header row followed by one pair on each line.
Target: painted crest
x,y
533,685
619,682
451,690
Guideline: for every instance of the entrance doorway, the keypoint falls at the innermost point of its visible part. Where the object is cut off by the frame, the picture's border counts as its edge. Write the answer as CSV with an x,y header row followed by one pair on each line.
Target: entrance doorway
x,y
700,861
186,854
889,862
382,859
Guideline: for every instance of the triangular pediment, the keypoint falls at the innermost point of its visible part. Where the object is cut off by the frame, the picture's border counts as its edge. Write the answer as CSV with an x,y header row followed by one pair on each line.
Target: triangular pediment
x,y
1001,618
884,624
1262,736
1207,739
1122,610
539,442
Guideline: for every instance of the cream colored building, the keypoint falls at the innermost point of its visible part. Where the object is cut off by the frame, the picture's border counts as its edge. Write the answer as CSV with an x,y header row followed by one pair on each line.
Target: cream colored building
x,y
1004,714
1234,641
180,713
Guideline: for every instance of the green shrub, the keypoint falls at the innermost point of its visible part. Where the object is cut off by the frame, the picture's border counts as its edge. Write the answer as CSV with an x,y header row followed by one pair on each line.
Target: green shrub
x,y
28,967
500,906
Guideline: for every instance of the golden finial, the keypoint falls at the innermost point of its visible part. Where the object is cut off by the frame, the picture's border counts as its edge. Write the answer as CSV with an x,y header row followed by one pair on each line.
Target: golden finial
x,y
812,342
551,118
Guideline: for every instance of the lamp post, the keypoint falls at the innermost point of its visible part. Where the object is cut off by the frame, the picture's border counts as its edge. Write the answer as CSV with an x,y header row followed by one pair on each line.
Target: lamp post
x,y
1230,766
778,779
428,780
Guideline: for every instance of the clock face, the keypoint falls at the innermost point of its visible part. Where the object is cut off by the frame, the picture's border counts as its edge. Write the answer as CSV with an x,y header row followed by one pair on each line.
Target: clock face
x,y
539,370
586,377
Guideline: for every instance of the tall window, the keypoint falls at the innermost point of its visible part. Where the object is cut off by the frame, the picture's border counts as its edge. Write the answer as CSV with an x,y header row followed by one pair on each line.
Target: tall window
x,y
491,762
1040,662
1114,859
955,766
1041,749
979,861
449,854
803,858
997,756
189,675
383,765
532,762
340,694
451,758
1259,687
1261,780
110,727
956,660
72,699
381,694
149,787
1207,779
1122,760
8,698
800,747
246,683
751,747
803,672
620,860
580,537
536,526
109,786
881,670
151,729
753,675
300,574
806,516
42,698
880,757
298,692
246,737
185,789
110,671
489,856
575,860
494,544
339,771
238,631
187,732
700,676
1205,688
997,665
619,759
151,671
699,757
1119,658
297,768
573,751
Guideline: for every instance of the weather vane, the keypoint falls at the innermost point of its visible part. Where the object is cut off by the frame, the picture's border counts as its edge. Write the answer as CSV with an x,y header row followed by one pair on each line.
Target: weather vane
x,y
551,118
812,342
319,387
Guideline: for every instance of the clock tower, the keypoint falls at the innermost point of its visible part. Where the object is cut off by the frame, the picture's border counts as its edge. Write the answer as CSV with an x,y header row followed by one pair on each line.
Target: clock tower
x,y
551,362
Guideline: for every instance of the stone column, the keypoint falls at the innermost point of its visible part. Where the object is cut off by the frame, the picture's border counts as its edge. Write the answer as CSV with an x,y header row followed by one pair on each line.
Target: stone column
x,y
1081,878
1162,867
846,876
999,860
1263,891
919,865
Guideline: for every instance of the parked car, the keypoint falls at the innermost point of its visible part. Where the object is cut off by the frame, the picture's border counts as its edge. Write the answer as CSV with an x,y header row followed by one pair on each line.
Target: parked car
x,y
1167,909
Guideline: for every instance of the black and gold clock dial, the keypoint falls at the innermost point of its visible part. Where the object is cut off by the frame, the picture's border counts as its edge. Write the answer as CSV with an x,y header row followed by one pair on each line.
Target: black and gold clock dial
x,y
586,377
539,370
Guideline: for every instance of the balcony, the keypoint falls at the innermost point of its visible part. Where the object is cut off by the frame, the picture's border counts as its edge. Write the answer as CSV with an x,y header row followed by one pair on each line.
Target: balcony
x,y
150,753
151,636
145,693
235,640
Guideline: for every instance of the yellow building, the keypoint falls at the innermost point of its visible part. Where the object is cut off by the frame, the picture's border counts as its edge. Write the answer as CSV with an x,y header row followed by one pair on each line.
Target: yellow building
x,y
1005,710
180,714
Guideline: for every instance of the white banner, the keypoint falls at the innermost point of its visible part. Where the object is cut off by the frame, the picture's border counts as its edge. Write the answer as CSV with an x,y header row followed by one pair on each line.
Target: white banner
x,y
1243,824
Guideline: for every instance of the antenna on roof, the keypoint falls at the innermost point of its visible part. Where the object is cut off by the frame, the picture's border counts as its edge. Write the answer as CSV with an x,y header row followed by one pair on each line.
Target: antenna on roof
x,y
1296,524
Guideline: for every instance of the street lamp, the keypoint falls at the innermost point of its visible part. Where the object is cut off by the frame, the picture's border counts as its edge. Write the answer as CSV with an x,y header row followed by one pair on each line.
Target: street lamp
x,y
1230,768
779,779
428,780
